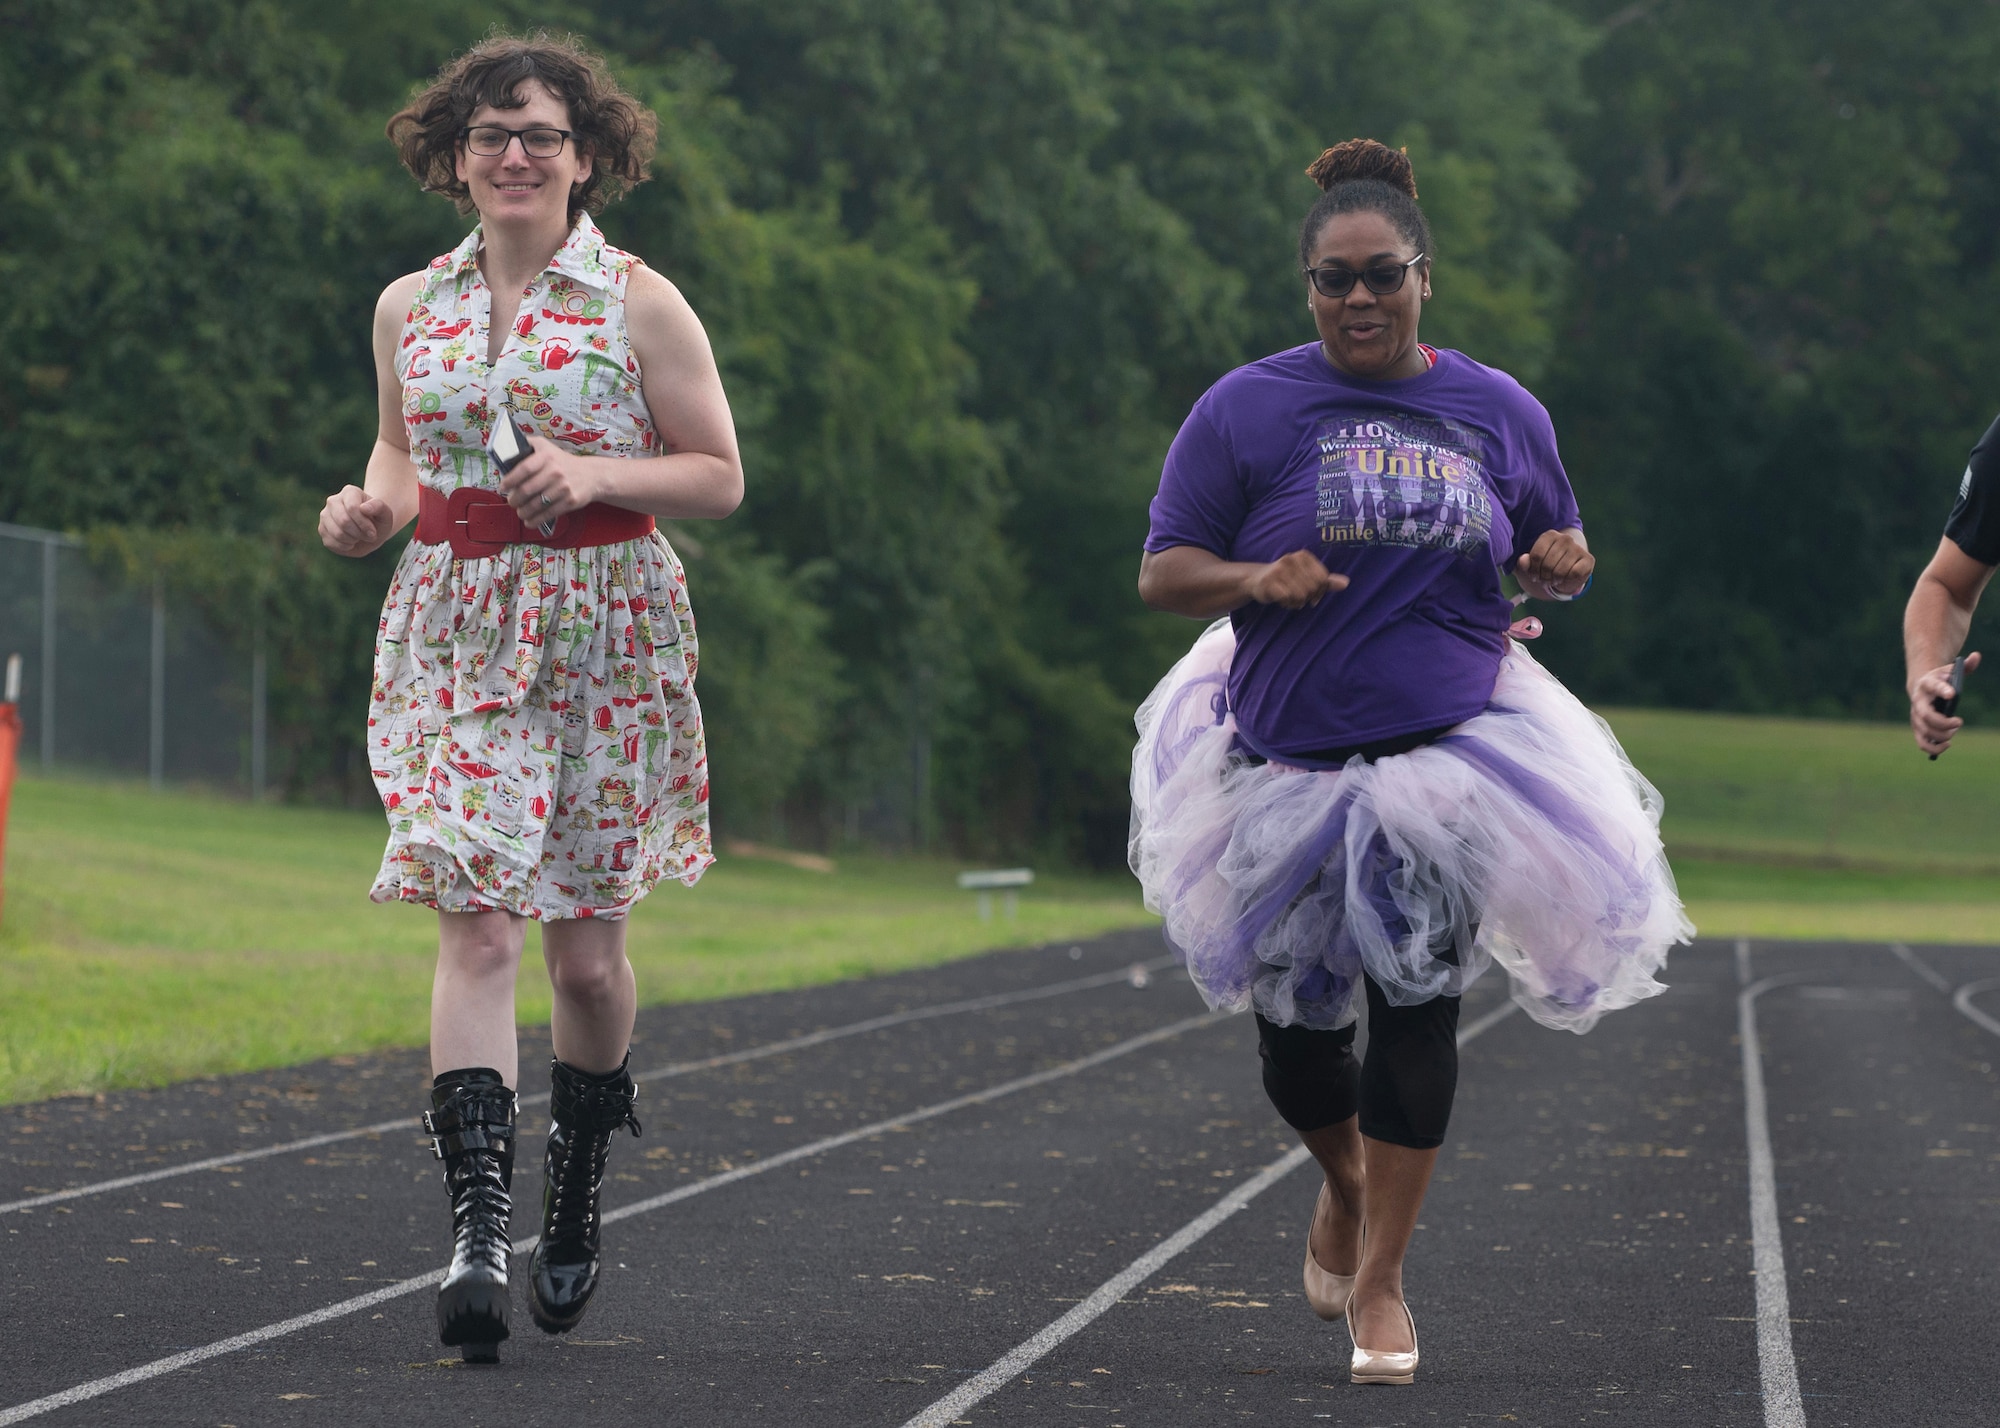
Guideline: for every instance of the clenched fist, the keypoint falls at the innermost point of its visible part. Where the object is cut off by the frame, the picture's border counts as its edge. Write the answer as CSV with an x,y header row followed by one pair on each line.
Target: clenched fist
x,y
352,522
1556,567
1294,581
548,483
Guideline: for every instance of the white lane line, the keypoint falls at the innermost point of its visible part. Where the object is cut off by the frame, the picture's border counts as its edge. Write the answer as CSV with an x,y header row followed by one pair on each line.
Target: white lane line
x,y
99,1387
1742,961
1962,999
1003,1370
1492,1018
983,1385
682,1068
214,1162
1920,967
1777,1365
942,1108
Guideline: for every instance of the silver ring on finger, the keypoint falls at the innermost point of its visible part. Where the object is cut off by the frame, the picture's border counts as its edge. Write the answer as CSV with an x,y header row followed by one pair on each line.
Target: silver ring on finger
x,y
548,501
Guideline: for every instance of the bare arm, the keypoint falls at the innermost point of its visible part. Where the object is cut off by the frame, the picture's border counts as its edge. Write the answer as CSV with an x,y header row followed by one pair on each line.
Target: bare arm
x,y
358,519
1935,623
1187,580
701,472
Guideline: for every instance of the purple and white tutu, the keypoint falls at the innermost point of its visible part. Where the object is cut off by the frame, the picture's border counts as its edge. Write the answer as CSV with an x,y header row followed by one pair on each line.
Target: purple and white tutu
x,y
1280,885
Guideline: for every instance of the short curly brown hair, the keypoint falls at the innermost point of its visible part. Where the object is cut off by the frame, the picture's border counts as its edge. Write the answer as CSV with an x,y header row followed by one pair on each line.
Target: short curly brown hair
x,y
616,130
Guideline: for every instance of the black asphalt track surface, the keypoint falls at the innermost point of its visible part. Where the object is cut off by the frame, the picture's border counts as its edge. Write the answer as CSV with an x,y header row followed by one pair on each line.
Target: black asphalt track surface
x,y
1584,1255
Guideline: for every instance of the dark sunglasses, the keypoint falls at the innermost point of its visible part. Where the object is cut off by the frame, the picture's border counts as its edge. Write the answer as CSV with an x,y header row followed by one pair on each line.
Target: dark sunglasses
x,y
1335,281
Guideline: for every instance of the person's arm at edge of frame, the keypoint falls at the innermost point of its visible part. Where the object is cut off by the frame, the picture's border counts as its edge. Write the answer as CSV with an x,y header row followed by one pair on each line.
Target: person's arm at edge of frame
x,y
1188,580
357,519
1935,624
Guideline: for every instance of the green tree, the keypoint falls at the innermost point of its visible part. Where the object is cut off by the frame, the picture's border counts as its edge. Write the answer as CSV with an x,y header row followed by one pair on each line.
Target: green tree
x,y
1775,340
965,269
1121,185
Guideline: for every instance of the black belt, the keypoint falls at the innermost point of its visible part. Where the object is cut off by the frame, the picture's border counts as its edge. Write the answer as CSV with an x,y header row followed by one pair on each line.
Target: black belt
x,y
1380,749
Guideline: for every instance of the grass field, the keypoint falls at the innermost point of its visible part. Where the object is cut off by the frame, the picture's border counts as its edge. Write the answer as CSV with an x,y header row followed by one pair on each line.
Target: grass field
x,y
1816,791
146,938
1814,828
151,937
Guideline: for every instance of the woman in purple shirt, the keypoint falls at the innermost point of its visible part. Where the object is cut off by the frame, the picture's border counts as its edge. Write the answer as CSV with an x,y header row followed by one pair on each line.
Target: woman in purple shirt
x,y
1356,786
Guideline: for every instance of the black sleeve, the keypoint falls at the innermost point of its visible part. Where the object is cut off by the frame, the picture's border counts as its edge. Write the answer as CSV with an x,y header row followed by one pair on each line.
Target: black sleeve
x,y
1974,526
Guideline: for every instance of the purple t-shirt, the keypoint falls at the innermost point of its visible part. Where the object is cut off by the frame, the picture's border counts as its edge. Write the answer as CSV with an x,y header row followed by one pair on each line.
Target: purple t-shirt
x,y
1416,490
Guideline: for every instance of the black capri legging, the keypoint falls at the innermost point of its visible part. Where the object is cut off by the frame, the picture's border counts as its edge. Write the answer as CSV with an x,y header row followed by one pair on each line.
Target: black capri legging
x,y
1402,1088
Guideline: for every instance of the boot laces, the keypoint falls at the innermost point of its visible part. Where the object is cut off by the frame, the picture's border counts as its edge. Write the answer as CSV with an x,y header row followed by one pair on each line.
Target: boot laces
x,y
597,1113
480,1210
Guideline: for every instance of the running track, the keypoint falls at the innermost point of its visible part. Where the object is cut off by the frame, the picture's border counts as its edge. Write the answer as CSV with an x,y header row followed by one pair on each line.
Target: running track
x,y
1024,1190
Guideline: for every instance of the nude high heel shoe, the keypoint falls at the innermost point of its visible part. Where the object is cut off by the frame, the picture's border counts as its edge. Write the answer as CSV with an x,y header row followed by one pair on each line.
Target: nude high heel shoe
x,y
1326,1291
1369,1366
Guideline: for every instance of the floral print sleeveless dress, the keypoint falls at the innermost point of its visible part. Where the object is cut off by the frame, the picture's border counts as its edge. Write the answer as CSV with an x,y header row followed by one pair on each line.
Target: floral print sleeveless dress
x,y
533,731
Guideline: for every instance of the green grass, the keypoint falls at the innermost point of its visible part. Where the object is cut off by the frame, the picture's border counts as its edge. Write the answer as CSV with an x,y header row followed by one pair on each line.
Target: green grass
x,y
147,938
1808,790
1813,828
1740,899
151,937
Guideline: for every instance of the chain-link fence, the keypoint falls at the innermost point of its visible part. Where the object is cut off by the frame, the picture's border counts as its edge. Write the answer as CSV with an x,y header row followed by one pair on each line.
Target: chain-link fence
x,y
119,677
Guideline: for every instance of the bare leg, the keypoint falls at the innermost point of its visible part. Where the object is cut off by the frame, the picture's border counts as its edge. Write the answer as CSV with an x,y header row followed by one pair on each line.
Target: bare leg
x,y
1336,1226
472,995
596,996
1398,1176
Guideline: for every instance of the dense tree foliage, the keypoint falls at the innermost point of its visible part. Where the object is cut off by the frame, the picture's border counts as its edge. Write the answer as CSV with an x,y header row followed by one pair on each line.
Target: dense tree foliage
x,y
1778,340
966,267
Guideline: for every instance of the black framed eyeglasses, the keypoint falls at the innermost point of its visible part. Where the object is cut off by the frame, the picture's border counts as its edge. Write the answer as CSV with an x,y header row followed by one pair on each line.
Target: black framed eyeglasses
x,y
1334,281
538,142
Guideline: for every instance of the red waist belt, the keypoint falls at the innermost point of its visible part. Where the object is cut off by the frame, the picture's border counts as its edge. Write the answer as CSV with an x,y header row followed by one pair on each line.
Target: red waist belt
x,y
476,524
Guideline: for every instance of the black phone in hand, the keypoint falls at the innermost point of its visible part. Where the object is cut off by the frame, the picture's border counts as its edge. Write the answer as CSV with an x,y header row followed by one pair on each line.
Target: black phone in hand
x,y
508,446
1949,707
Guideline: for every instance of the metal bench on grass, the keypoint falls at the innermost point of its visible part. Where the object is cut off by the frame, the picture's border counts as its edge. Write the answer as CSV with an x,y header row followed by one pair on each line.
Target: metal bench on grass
x,y
983,883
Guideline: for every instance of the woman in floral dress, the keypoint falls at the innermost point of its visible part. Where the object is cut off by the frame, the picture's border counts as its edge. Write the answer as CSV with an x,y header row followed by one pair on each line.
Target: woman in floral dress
x,y
533,731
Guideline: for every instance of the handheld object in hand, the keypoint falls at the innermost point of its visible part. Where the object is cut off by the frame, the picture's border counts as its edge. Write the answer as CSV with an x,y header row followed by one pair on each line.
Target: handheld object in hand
x,y
508,446
1950,706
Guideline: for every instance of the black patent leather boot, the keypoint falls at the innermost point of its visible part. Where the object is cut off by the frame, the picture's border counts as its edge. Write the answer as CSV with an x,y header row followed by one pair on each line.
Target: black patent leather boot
x,y
584,1111
471,1122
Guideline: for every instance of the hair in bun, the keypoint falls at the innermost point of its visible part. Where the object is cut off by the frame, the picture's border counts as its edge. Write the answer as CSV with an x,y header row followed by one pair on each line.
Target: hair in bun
x,y
1366,176
1364,159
